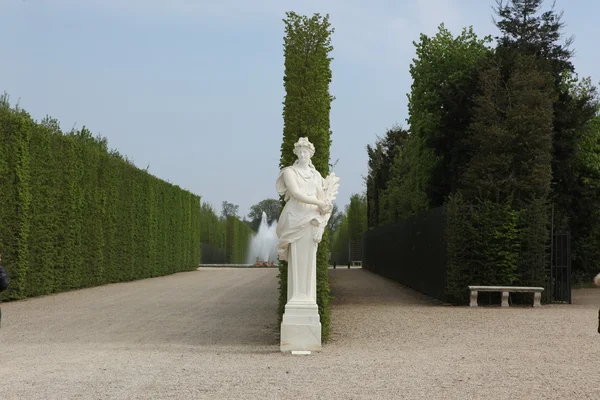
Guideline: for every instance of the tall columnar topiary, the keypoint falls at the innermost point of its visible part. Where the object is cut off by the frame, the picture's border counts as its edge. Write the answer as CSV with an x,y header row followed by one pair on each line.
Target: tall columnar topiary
x,y
306,109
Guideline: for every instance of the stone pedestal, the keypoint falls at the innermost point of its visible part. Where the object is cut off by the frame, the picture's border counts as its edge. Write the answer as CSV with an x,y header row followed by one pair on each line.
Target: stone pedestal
x,y
301,327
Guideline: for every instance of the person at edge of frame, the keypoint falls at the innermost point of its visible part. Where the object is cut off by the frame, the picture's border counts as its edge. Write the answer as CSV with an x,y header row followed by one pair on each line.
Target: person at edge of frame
x,y
4,281
597,282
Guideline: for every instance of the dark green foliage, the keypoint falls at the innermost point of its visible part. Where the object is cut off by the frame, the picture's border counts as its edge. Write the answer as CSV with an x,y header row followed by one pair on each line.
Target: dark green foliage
x,y
459,232
307,103
427,163
444,80
43,253
511,135
15,217
229,210
506,184
585,213
494,244
483,246
357,216
75,215
381,159
353,223
212,231
340,242
237,241
223,240
282,286
527,29
306,108
506,134
534,235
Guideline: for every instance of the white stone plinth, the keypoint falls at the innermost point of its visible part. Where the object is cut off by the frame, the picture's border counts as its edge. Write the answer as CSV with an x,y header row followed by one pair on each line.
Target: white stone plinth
x,y
301,327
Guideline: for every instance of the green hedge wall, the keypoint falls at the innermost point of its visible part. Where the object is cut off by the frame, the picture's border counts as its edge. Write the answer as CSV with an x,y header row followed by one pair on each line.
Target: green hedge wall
x,y
75,215
223,240
212,228
238,240
494,244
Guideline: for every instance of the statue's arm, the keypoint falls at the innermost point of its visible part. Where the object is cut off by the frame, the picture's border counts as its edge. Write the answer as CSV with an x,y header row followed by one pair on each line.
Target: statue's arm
x,y
294,191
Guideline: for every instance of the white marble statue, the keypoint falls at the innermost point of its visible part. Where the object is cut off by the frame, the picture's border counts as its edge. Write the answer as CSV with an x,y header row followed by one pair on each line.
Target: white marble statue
x,y
300,228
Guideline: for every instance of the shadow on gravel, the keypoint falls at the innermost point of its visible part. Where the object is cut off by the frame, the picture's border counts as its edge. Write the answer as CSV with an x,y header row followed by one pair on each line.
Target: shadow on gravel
x,y
362,287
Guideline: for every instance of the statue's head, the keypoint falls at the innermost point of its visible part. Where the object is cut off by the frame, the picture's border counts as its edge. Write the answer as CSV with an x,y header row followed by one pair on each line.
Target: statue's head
x,y
303,143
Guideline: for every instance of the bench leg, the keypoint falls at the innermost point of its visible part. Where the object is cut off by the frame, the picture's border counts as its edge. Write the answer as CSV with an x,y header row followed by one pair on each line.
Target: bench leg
x,y
473,298
504,299
537,297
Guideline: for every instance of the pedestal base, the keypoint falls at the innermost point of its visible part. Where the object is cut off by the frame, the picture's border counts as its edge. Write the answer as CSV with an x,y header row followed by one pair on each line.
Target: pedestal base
x,y
301,328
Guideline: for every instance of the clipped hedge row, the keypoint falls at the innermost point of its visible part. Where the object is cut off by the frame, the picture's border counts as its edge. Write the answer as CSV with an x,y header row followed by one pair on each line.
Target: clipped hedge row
x,y
223,240
75,215
238,241
494,244
212,228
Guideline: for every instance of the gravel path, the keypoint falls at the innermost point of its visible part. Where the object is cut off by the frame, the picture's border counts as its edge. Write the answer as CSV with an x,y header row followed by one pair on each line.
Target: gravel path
x,y
211,334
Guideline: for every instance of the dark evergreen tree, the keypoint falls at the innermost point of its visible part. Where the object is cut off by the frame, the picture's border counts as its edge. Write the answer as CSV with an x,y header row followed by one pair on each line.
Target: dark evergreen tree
x,y
381,159
511,135
526,29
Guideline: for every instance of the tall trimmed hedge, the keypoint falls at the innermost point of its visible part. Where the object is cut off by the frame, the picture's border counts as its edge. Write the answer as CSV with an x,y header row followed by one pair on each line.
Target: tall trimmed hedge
x,y
494,244
238,240
224,240
75,215
306,110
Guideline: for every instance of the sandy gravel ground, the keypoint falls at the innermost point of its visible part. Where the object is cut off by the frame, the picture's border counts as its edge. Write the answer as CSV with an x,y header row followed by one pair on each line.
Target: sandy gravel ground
x,y
211,334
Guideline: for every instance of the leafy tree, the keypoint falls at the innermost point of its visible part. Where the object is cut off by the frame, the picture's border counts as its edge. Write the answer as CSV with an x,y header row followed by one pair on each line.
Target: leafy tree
x,y
440,103
357,215
509,174
381,158
306,109
229,210
427,167
340,241
271,207
335,219
586,211
526,29
511,135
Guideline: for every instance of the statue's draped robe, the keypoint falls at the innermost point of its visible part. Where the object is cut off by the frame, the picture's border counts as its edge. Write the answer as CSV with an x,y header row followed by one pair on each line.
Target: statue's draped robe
x,y
300,229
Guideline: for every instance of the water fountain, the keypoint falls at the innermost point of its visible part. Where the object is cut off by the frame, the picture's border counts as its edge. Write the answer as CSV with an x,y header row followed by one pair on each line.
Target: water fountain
x,y
263,245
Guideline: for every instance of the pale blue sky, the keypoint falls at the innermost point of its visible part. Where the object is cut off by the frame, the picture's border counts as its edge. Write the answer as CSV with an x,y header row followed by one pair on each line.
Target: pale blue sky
x,y
194,87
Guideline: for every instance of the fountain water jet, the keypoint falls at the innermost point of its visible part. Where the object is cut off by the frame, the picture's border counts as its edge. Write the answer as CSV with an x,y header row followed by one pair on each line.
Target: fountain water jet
x,y
263,245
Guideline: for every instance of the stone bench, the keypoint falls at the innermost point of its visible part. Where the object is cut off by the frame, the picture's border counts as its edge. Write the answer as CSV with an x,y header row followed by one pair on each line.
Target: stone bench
x,y
537,293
